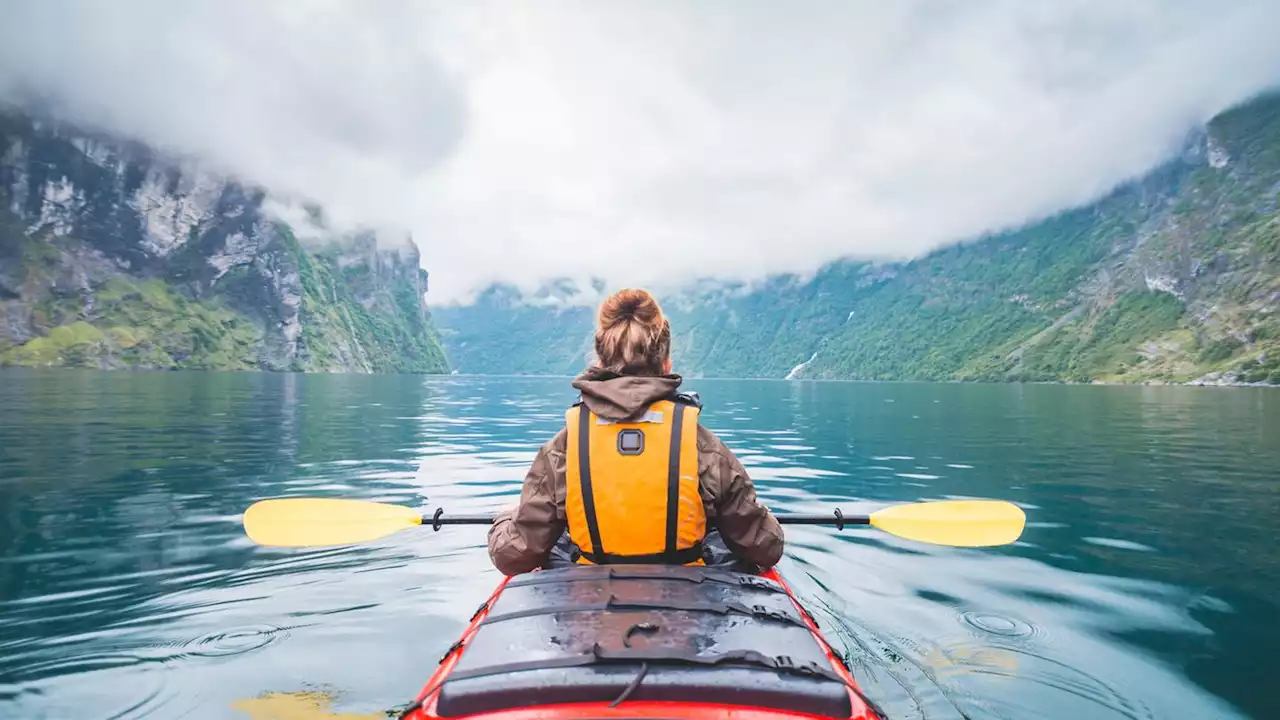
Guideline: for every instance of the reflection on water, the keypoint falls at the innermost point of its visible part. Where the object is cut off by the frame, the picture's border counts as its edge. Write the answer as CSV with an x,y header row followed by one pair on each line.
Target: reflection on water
x,y
304,705
1143,587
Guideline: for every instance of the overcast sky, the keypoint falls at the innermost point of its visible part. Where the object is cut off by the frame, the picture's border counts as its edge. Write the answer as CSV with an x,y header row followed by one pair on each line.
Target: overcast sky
x,y
651,141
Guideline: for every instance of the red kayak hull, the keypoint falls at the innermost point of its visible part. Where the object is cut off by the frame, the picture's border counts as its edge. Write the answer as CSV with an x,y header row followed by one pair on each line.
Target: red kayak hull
x,y
428,696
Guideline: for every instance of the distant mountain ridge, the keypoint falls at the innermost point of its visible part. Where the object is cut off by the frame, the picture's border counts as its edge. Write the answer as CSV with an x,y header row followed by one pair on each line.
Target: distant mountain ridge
x,y
1174,277
113,255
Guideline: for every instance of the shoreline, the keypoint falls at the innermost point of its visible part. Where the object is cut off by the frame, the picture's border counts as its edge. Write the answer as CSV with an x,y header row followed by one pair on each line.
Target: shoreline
x,y
1199,382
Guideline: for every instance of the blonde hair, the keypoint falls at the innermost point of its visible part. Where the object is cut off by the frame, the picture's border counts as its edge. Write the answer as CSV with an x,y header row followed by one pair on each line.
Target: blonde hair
x,y
633,337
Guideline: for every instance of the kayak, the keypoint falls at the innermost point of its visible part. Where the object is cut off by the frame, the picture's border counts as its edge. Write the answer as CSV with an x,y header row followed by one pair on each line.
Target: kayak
x,y
636,641
642,641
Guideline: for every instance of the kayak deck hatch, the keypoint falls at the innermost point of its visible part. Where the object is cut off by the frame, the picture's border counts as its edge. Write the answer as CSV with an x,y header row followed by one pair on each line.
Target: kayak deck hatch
x,y
614,635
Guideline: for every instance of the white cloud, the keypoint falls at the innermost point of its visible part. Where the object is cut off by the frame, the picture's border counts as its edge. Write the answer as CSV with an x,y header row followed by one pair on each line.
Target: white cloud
x,y
650,142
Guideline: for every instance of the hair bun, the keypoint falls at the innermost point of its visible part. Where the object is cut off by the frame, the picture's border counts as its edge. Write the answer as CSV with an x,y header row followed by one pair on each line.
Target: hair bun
x,y
627,305
633,338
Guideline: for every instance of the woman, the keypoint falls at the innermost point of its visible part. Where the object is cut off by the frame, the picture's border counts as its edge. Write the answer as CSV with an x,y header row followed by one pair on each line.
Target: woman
x,y
633,477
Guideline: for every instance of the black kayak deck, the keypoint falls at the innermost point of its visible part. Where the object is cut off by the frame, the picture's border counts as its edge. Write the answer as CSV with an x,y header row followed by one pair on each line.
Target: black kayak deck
x,y
679,634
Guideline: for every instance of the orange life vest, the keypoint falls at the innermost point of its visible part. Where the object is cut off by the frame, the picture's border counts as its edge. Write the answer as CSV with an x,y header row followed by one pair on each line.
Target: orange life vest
x,y
632,487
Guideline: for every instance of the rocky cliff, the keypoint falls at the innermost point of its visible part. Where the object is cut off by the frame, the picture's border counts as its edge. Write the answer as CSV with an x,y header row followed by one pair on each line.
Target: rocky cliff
x,y
114,255
1173,277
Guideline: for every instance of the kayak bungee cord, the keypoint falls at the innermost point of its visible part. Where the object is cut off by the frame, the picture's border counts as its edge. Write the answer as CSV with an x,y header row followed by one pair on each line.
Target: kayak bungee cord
x,y
644,670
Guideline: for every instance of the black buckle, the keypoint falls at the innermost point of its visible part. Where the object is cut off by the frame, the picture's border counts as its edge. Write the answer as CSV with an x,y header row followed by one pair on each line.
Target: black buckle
x,y
452,649
812,670
787,664
435,519
761,611
757,583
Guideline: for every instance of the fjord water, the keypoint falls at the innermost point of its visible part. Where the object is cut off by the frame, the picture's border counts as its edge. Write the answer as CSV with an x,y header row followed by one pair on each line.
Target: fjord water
x,y
1145,586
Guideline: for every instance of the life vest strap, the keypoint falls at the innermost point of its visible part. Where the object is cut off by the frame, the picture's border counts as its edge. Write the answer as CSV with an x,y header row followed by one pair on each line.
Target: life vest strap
x,y
584,474
673,485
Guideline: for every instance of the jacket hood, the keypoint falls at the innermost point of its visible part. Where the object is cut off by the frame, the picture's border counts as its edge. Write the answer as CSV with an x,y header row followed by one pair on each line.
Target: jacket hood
x,y
623,397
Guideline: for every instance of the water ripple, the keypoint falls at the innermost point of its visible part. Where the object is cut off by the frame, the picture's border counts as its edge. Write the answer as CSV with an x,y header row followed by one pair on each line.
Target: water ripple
x,y
997,624
235,641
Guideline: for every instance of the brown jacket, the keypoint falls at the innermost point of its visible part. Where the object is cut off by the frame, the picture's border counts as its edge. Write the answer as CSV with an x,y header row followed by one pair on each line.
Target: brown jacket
x,y
521,538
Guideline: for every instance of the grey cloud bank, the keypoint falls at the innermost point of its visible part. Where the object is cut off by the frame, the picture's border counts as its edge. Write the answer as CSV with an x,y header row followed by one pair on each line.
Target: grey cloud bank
x,y
654,142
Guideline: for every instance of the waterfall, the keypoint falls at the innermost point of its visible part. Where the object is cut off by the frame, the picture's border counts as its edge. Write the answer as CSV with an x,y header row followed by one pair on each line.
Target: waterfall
x,y
799,368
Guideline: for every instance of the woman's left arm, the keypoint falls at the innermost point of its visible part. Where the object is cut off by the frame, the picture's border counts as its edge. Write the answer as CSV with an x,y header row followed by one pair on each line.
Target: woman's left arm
x,y
521,538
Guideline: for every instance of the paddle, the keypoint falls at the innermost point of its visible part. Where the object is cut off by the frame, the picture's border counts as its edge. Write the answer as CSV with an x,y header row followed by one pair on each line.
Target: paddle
x,y
311,522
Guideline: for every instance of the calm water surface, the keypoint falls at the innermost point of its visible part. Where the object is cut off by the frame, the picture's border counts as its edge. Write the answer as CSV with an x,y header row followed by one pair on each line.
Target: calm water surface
x,y
1145,586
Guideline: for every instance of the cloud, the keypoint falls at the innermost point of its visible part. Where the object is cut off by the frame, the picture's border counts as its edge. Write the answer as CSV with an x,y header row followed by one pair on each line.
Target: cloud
x,y
340,103
650,143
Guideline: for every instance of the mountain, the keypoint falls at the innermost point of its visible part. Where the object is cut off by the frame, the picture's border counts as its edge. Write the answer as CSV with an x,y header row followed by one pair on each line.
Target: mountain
x,y
115,255
1172,277
507,332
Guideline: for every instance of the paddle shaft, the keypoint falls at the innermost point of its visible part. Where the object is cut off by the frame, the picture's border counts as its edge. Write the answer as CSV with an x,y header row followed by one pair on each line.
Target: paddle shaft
x,y
837,518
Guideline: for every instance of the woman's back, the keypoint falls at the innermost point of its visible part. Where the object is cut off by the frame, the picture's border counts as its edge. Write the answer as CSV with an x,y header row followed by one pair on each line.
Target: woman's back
x,y
633,477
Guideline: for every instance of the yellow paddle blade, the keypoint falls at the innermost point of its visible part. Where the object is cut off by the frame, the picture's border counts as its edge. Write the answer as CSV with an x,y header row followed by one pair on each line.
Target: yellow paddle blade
x,y
303,705
963,523
310,522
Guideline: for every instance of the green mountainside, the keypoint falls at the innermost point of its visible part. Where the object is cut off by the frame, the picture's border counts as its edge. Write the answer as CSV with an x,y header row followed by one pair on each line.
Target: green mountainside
x,y
504,332
112,256
1174,277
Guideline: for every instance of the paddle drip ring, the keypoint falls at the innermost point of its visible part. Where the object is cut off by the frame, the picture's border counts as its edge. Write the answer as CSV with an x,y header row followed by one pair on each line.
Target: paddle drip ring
x,y
435,519
839,519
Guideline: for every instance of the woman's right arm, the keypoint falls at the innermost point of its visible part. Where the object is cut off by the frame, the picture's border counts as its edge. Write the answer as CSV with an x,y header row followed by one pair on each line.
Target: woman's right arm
x,y
747,526
521,538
